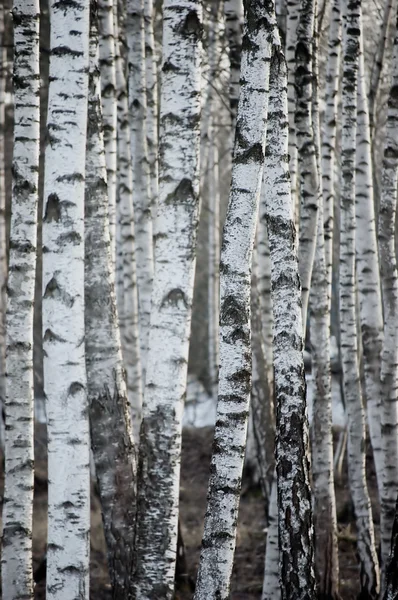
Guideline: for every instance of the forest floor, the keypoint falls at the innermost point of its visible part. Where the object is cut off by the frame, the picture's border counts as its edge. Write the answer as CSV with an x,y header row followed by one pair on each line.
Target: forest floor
x,y
249,556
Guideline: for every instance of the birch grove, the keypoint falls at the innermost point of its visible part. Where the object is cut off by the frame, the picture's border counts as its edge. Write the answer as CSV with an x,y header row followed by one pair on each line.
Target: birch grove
x,y
16,560
198,242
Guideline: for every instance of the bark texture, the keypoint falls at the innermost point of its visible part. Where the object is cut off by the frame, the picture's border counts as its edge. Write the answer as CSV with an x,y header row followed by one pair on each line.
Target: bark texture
x,y
292,21
369,572
219,537
111,438
16,558
233,10
175,255
63,304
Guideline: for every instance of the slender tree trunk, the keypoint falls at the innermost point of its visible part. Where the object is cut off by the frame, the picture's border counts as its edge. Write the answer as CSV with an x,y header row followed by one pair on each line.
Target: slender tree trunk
x,y
175,254
152,103
127,276
109,108
16,560
264,286
3,244
391,584
271,586
292,445
109,414
233,10
141,172
369,572
63,305
329,134
219,537
389,278
292,21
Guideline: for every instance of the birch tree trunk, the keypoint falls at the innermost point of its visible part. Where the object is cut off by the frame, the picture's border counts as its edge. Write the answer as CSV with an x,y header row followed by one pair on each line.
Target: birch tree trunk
x,y
3,244
264,286
109,108
389,278
368,275
309,176
63,305
151,87
175,254
233,10
141,173
329,134
391,582
127,279
369,572
111,437
296,551
271,586
16,560
292,21
219,537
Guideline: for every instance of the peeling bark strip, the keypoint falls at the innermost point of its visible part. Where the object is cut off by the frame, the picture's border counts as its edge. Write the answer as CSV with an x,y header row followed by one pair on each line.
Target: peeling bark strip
x,y
329,134
63,304
141,173
292,451
111,436
349,343
16,559
219,537
175,256
109,110
389,278
368,276
309,176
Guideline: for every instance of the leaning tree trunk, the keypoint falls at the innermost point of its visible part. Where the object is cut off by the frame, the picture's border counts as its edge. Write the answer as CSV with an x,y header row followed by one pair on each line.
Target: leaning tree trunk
x,y
111,438
309,175
389,278
141,173
329,135
63,305
16,560
292,445
325,518
175,257
368,274
369,571
219,537
126,292
109,109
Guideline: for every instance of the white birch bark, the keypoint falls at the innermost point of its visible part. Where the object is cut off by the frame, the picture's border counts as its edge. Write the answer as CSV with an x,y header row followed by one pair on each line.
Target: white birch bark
x,y
233,11
296,551
16,559
175,256
63,305
219,537
151,87
127,273
271,586
264,285
389,278
329,133
292,21
309,176
141,173
109,109
107,393
367,268
369,571
3,245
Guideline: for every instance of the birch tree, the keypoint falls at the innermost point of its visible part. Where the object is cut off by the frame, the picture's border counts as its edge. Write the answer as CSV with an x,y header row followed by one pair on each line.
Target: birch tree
x,y
369,573
141,179
271,588
309,176
233,10
151,87
16,560
292,21
175,252
389,278
109,108
219,537
111,436
3,245
127,274
63,305
296,553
